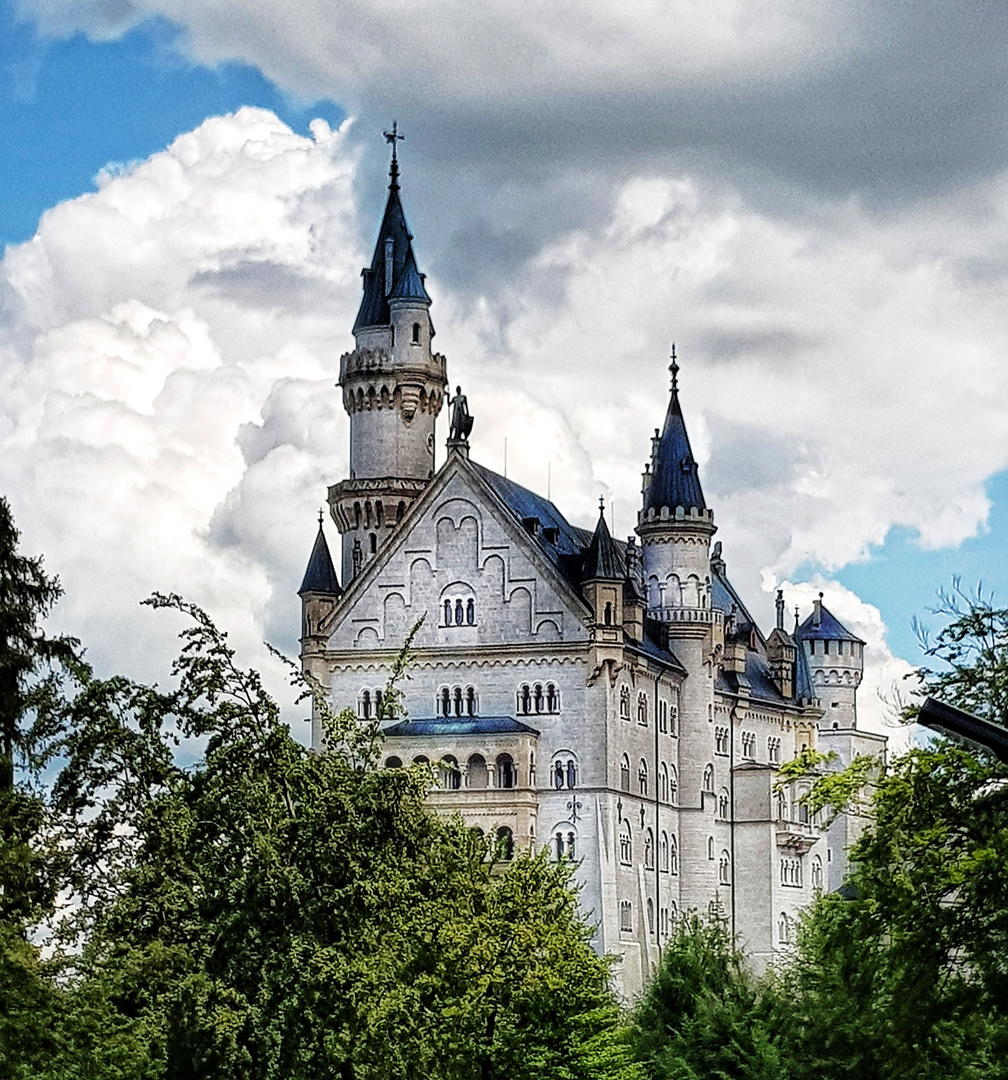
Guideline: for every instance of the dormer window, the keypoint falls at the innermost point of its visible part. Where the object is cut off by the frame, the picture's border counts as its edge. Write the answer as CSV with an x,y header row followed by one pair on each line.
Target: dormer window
x,y
531,525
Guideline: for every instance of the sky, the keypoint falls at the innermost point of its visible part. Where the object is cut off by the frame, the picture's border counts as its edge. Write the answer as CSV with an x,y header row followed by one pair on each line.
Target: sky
x,y
810,200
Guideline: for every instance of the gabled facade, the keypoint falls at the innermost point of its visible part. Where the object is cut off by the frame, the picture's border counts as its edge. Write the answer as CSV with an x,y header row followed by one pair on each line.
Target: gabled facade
x,y
612,701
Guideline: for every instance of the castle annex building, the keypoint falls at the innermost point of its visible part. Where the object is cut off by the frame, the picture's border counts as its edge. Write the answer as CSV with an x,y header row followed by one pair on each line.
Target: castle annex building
x,y
611,700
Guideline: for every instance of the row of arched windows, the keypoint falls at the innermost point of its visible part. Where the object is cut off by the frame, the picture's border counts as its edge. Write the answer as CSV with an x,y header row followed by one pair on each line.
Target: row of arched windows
x,y
720,740
668,849
537,698
667,917
749,744
773,747
502,773
454,701
459,613
668,779
791,871
369,704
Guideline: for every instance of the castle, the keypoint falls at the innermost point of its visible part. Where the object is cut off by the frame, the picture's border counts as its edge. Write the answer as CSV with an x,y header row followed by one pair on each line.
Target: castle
x,y
612,701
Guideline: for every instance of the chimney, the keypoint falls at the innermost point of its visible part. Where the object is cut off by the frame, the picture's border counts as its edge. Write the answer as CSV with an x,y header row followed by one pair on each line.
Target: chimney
x,y
780,609
817,611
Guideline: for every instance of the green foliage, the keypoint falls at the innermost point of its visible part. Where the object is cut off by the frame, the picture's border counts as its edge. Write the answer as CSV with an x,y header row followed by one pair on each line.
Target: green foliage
x,y
276,912
704,1015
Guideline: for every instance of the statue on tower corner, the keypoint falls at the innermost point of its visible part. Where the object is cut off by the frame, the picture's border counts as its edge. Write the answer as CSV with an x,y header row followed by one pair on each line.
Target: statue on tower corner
x,y
461,421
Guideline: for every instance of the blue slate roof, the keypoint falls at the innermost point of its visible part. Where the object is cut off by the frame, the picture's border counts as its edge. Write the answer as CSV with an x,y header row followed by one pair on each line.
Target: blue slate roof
x,y
320,577
830,628
603,561
407,282
461,725
803,688
673,479
564,545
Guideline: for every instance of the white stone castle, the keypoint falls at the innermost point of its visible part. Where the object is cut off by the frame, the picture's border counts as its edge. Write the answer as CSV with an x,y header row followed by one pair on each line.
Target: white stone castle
x,y
614,702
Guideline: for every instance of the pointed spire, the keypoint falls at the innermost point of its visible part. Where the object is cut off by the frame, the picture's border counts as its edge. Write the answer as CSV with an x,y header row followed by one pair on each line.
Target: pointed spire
x,y
602,561
393,273
803,689
320,577
673,479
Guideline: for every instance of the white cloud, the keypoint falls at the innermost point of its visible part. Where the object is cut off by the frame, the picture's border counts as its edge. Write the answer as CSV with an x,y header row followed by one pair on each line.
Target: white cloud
x,y
169,419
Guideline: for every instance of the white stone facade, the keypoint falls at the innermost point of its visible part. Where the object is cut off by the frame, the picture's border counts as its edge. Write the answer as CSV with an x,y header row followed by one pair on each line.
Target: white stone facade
x,y
615,704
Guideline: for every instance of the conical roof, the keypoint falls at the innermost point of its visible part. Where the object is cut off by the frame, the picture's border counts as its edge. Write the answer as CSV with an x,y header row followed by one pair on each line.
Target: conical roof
x,y
673,479
803,689
407,282
320,577
602,561
823,625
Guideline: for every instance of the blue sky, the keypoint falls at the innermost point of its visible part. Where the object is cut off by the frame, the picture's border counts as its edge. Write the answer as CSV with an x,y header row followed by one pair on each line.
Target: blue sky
x,y
813,204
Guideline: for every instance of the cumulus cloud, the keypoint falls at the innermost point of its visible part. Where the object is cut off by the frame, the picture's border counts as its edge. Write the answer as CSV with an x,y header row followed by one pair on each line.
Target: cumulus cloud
x,y
170,344
168,419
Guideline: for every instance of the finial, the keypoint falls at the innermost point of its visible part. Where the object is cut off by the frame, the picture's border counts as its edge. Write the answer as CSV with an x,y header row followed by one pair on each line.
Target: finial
x,y
392,137
321,515
601,504
674,368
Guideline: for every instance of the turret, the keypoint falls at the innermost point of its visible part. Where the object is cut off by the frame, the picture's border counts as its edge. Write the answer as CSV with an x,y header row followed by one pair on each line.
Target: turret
x,y
675,526
393,389
835,659
602,575
320,592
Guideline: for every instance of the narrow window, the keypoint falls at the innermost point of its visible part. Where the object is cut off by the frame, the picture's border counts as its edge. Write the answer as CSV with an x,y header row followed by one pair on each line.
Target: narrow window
x,y
571,774
470,701
366,704
447,613
558,776
416,333
624,774
374,543
505,842
470,611
445,702
538,698
608,614
459,614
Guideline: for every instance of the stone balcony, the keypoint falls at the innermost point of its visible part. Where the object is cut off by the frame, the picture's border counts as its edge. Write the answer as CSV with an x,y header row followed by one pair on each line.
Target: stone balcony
x,y
677,613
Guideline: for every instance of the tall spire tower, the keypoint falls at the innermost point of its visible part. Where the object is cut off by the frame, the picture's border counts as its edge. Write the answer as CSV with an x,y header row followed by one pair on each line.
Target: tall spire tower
x,y
393,389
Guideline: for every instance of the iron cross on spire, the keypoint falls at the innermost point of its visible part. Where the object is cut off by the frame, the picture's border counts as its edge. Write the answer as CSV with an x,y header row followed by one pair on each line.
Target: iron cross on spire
x,y
674,368
392,137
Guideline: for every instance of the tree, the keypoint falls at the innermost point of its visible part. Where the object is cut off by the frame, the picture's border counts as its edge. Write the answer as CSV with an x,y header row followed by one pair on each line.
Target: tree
x,y
275,912
908,976
705,1015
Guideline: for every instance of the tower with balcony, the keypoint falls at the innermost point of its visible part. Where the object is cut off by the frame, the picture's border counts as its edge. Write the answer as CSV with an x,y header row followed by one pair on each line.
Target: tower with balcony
x,y
393,389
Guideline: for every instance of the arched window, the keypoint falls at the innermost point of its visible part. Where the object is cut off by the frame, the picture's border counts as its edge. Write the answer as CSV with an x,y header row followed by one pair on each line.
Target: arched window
x,y
608,614
571,846
445,709
457,697
802,813
505,843
374,543
673,855
571,774
451,775
724,869
649,850
663,786
722,804
720,740
476,771
393,762
642,710
538,694
447,613
642,777
710,848
470,611
558,775
784,928
663,853
625,917
708,778
470,701
673,785
650,917
552,698
416,333
625,843
624,774
624,703
817,874
558,841
663,717
459,613
366,705
507,775
525,700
